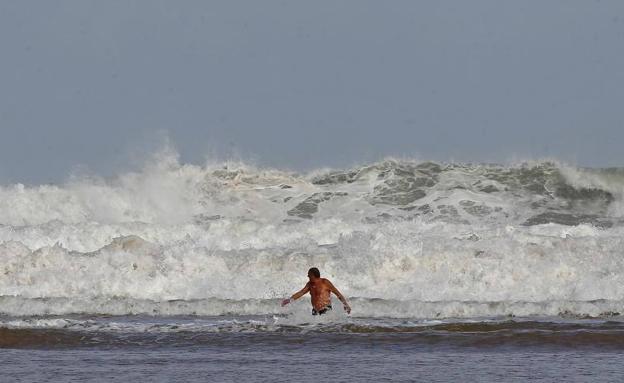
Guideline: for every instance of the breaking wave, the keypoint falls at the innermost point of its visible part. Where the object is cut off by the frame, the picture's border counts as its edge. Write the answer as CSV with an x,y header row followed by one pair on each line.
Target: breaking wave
x,y
403,239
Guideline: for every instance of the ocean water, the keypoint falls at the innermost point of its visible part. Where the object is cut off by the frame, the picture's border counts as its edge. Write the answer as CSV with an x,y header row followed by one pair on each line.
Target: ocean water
x,y
455,272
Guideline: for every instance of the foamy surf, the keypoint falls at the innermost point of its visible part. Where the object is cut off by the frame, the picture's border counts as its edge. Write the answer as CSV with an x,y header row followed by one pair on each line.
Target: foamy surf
x,y
403,239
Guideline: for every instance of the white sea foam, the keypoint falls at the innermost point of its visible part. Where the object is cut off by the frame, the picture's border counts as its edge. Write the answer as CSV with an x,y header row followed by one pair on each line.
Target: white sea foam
x,y
408,239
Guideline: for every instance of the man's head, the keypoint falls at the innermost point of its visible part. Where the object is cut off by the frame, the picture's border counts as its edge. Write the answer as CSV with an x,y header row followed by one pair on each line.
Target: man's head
x,y
314,273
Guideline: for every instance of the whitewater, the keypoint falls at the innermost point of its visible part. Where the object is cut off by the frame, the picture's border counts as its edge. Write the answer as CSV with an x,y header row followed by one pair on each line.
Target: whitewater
x,y
400,238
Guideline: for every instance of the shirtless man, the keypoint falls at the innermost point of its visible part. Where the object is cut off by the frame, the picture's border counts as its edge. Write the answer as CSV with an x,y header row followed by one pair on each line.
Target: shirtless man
x,y
320,289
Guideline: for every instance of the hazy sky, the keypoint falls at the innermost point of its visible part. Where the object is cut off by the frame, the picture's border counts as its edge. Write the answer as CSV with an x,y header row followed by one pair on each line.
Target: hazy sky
x,y
303,84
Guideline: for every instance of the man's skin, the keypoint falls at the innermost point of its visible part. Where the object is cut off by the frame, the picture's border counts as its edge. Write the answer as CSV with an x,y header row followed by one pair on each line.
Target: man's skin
x,y
320,290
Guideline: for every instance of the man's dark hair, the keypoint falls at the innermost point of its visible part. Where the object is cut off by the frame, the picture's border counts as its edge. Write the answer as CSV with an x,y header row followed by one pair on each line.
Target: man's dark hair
x,y
315,272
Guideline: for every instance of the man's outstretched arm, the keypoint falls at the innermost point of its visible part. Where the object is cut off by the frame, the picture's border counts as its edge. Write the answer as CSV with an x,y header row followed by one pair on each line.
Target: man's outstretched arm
x,y
340,296
297,295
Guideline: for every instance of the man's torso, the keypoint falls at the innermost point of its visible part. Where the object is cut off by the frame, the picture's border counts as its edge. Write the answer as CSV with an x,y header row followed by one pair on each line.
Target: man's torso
x,y
320,293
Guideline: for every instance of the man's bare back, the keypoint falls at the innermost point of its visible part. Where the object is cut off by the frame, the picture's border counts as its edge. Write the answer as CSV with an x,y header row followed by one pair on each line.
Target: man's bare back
x,y
320,290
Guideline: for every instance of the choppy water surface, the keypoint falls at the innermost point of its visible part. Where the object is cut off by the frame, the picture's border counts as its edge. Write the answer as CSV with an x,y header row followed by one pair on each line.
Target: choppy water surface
x,y
303,348
454,271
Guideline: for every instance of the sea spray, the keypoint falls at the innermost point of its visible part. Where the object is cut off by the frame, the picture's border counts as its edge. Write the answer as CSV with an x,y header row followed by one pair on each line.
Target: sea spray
x,y
401,238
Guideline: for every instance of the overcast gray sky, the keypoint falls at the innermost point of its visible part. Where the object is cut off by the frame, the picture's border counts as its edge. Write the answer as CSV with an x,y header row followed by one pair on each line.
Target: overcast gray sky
x,y
304,84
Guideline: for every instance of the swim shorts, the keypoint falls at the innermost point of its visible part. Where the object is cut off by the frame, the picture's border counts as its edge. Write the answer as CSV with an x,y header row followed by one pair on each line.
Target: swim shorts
x,y
322,311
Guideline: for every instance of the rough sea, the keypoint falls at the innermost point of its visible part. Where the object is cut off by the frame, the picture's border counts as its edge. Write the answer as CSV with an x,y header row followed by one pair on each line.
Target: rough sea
x,y
455,272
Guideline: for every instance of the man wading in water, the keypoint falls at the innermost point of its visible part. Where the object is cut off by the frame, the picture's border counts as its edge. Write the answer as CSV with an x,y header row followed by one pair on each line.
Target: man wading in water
x,y
320,289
